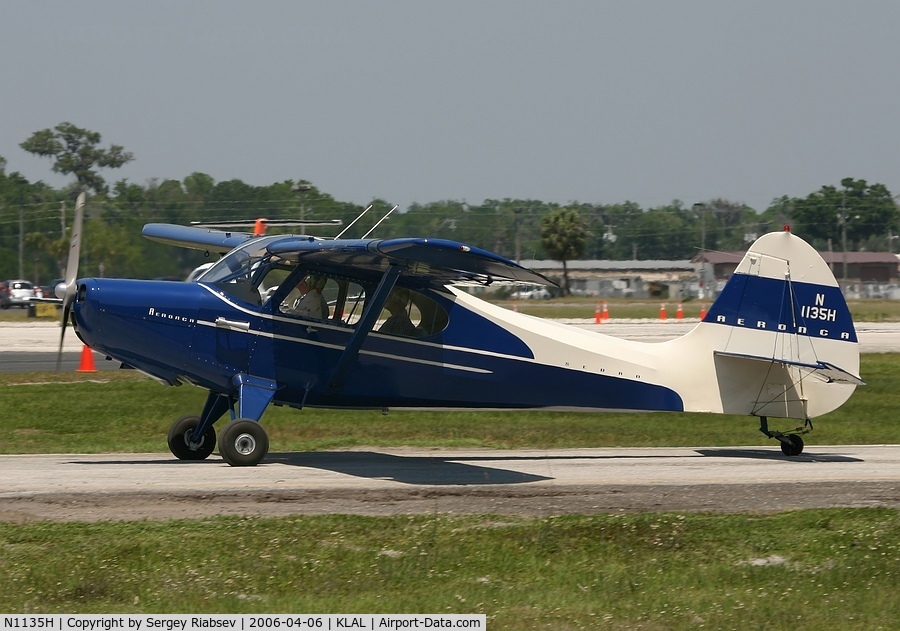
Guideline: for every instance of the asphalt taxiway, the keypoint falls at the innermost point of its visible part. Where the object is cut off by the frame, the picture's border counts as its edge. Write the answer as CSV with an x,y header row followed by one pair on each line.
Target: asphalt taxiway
x,y
94,487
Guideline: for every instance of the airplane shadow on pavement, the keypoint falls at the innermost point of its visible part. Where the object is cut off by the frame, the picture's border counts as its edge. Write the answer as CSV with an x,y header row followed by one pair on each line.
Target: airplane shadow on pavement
x,y
419,470
770,454
431,470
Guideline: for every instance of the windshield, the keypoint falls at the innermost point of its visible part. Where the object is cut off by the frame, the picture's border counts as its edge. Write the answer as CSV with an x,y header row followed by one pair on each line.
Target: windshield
x,y
238,273
239,262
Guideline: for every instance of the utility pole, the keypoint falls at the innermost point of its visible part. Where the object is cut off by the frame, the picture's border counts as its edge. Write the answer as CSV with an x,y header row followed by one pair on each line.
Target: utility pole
x,y
701,210
21,241
300,190
518,217
844,230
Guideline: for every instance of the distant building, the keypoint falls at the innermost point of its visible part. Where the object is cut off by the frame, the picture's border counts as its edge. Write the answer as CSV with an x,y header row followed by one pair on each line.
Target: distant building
x,y
869,274
623,279
864,267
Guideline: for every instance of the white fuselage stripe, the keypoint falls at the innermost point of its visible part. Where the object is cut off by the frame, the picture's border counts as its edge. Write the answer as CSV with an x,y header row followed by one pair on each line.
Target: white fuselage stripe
x,y
338,347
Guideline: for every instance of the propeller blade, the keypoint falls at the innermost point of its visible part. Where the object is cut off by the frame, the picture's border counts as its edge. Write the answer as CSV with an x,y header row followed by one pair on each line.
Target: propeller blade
x,y
74,250
62,334
71,272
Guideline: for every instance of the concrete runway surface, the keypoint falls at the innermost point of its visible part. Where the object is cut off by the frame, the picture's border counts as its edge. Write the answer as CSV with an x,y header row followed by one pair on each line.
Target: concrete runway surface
x,y
405,481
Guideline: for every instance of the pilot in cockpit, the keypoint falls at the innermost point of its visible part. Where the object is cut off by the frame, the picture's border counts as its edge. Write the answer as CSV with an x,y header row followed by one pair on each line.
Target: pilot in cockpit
x,y
307,300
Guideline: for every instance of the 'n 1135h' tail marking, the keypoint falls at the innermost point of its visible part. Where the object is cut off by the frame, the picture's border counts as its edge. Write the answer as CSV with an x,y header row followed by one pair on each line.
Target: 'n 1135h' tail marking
x,y
769,304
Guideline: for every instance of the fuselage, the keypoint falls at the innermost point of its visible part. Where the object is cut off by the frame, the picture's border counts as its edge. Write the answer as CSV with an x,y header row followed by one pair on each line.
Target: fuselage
x,y
192,332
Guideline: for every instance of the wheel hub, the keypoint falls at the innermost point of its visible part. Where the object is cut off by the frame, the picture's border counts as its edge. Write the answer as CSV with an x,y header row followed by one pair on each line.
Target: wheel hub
x,y
245,444
193,445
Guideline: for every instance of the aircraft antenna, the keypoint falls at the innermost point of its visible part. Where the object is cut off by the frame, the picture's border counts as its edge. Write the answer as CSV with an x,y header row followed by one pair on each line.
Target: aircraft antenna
x,y
358,217
378,223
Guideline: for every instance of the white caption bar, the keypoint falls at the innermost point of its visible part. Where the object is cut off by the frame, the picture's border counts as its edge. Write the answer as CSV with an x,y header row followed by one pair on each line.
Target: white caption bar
x,y
241,622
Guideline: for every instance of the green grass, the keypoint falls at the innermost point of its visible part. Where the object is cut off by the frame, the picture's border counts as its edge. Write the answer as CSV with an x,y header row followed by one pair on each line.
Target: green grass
x,y
122,411
807,570
15,314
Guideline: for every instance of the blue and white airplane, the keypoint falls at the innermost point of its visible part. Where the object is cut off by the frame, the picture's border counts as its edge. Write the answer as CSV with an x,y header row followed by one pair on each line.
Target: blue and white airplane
x,y
369,323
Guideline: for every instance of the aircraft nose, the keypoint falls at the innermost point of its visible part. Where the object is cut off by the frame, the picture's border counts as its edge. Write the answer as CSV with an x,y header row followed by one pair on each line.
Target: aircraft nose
x,y
143,323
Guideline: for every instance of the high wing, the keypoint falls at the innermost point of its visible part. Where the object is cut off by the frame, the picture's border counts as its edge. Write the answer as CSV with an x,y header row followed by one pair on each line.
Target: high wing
x,y
437,261
195,237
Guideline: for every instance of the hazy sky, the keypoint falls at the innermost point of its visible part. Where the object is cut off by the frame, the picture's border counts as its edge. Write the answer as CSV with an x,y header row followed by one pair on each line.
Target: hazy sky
x,y
420,101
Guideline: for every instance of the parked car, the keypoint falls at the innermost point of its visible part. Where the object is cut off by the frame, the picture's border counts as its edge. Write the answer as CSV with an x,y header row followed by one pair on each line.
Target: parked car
x,y
20,293
49,290
531,294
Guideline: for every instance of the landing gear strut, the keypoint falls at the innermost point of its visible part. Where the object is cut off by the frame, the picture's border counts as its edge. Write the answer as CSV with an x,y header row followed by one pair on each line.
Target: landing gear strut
x,y
791,443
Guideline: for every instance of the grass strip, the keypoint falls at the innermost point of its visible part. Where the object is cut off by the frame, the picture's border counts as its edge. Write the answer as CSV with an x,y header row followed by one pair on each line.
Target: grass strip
x,y
124,412
805,569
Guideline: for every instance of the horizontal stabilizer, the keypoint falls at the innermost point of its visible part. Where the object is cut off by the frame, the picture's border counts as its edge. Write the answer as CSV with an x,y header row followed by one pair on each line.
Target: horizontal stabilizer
x,y
272,223
820,369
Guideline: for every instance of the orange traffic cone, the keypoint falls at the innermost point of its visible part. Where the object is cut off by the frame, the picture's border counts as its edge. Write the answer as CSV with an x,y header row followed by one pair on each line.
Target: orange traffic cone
x,y
87,360
702,310
662,311
515,305
605,316
597,316
680,313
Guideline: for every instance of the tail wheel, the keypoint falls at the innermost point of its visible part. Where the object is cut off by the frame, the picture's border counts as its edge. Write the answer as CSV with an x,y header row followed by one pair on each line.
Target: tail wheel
x,y
793,446
180,443
243,443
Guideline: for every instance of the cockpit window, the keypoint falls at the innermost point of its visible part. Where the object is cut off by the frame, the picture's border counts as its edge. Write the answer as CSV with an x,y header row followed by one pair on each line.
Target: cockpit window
x,y
249,273
320,297
408,313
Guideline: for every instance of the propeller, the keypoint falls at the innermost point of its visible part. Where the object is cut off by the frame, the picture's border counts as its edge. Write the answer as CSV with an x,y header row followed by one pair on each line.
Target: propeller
x,y
68,296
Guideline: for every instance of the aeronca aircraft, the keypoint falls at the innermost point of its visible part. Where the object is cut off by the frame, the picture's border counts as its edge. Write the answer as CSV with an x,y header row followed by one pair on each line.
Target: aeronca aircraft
x,y
374,323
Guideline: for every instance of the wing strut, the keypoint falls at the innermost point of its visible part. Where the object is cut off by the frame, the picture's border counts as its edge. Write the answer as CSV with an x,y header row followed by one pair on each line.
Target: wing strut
x,y
364,327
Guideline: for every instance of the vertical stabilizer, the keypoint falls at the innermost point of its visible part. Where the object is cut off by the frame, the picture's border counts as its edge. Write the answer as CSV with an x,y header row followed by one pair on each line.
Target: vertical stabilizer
x,y
783,338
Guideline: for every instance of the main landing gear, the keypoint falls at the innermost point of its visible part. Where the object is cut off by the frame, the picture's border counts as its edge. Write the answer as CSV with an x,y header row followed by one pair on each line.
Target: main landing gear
x,y
791,443
243,442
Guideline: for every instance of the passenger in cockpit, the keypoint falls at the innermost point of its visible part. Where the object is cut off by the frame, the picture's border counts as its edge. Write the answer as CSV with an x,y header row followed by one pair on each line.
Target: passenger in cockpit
x,y
398,323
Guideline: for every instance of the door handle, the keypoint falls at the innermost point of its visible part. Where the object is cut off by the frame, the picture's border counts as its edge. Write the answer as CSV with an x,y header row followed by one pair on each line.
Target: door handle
x,y
237,325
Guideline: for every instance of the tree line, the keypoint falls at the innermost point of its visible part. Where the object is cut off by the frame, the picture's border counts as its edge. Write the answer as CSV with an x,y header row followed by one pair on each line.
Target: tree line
x,y
35,218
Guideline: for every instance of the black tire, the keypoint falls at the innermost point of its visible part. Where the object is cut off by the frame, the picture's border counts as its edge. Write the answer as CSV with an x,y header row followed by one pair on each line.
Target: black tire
x,y
795,448
179,439
243,443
